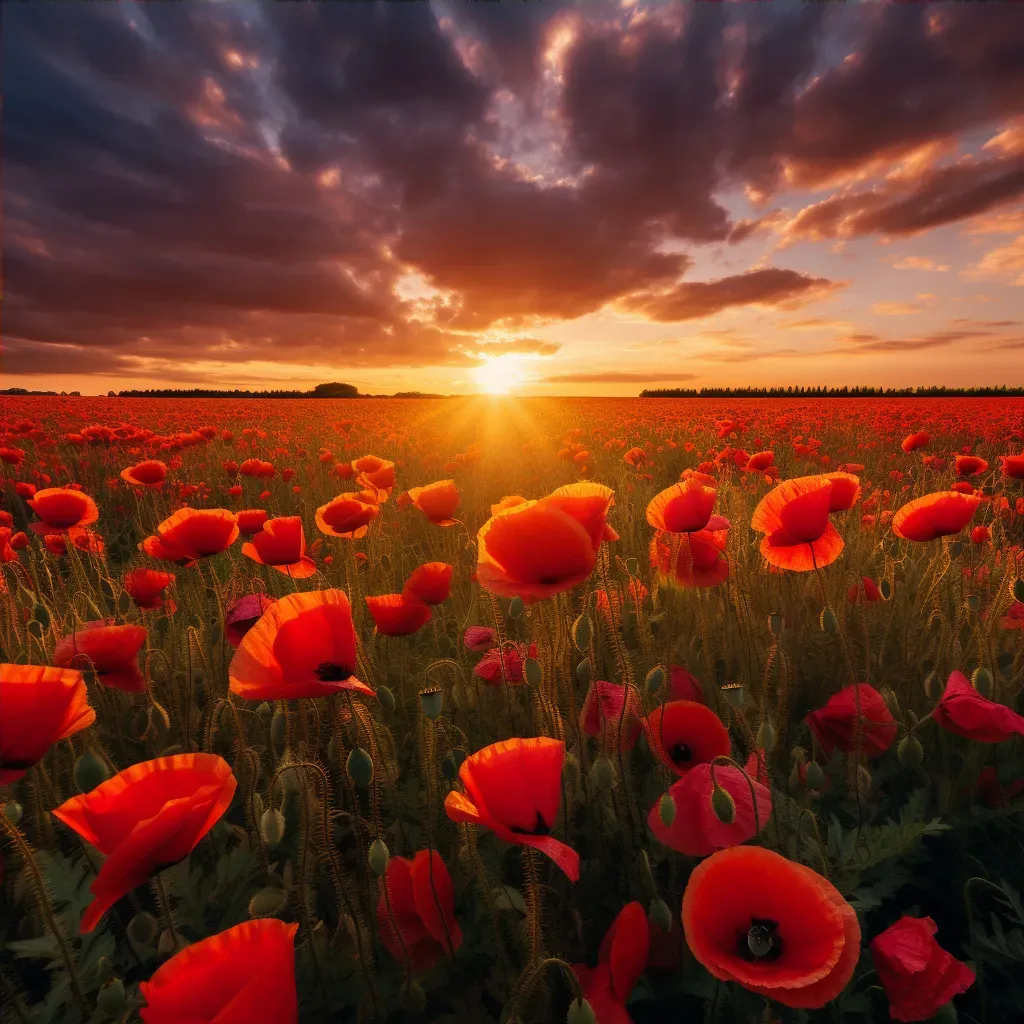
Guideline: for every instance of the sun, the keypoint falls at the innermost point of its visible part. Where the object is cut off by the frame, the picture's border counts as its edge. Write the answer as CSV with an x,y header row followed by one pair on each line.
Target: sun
x,y
500,375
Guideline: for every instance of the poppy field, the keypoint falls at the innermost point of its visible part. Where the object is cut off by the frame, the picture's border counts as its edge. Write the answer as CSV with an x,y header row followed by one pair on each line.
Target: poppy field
x,y
511,710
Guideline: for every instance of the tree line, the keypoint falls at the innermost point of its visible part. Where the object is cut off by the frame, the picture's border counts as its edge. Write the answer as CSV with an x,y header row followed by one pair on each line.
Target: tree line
x,y
826,392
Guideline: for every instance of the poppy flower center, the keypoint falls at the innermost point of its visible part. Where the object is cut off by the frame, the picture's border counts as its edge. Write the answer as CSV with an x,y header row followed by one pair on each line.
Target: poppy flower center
x,y
761,941
540,828
331,672
681,753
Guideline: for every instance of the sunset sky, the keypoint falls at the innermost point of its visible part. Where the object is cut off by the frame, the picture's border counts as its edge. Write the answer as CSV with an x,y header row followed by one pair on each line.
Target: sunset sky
x,y
562,198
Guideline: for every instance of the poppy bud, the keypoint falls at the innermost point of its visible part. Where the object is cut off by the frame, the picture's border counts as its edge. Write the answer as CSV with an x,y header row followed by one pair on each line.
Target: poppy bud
x,y
931,681
982,681
268,902
776,624
41,614
660,914
584,672
264,710
655,679
90,771
885,589
170,942
431,702
580,1012
111,998
272,826
386,699
516,607
723,805
955,549
667,810
448,769
13,811
360,767
143,929
828,621
974,602
602,775
385,562
278,728
735,694
814,777
412,998
1018,590
910,752
581,633
766,735
632,566
378,857
532,671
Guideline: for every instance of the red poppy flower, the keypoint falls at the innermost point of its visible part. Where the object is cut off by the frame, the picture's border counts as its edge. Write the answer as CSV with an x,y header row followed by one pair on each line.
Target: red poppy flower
x,y
965,712
495,670
479,638
604,706
635,457
147,818
398,614
304,645
684,508
683,734
40,705
774,926
513,788
244,975
1014,617
281,544
1012,466
146,587
918,975
794,517
845,490
376,474
7,551
257,468
865,592
684,686
760,461
193,533
509,501
111,651
696,830
251,520
700,557
992,793
348,515
588,503
60,508
914,441
981,535
941,514
437,501
835,725
620,962
431,582
243,615
970,465
151,473
416,918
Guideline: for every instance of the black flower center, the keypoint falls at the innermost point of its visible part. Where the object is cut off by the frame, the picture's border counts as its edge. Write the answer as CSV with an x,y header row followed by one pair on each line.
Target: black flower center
x,y
540,828
761,941
331,672
681,753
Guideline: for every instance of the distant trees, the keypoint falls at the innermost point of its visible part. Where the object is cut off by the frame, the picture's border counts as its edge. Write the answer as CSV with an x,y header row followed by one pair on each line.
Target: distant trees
x,y
335,390
332,390
826,392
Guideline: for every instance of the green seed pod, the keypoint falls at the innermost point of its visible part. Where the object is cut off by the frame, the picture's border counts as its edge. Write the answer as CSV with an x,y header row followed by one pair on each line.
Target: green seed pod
x,y
516,608
90,771
360,767
632,566
776,624
279,728
974,602
532,672
766,735
143,929
378,857
655,680
170,943
931,684
660,914
910,752
268,902
580,1012
602,775
723,805
41,614
828,621
1018,590
111,999
814,777
581,633
983,682
412,998
432,702
13,811
386,699
735,694
955,549
667,810
384,562
272,827
890,699
584,673
885,589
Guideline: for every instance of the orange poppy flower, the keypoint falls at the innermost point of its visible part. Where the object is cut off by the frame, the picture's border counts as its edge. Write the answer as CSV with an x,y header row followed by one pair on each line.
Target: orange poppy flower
x,y
257,468
437,501
193,533
588,503
1012,466
146,587
203,983
348,515
7,551
970,465
845,490
303,645
39,705
620,962
683,508
145,819
774,926
151,473
603,707
941,514
111,651
683,734
398,614
794,516
914,441
513,788
416,918
281,544
509,501
700,557
430,582
60,509
250,520
376,474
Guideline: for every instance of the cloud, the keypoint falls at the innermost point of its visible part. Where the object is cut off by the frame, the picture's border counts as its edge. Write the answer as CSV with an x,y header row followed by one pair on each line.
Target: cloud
x,y
617,377
1007,261
516,346
894,308
919,263
770,286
